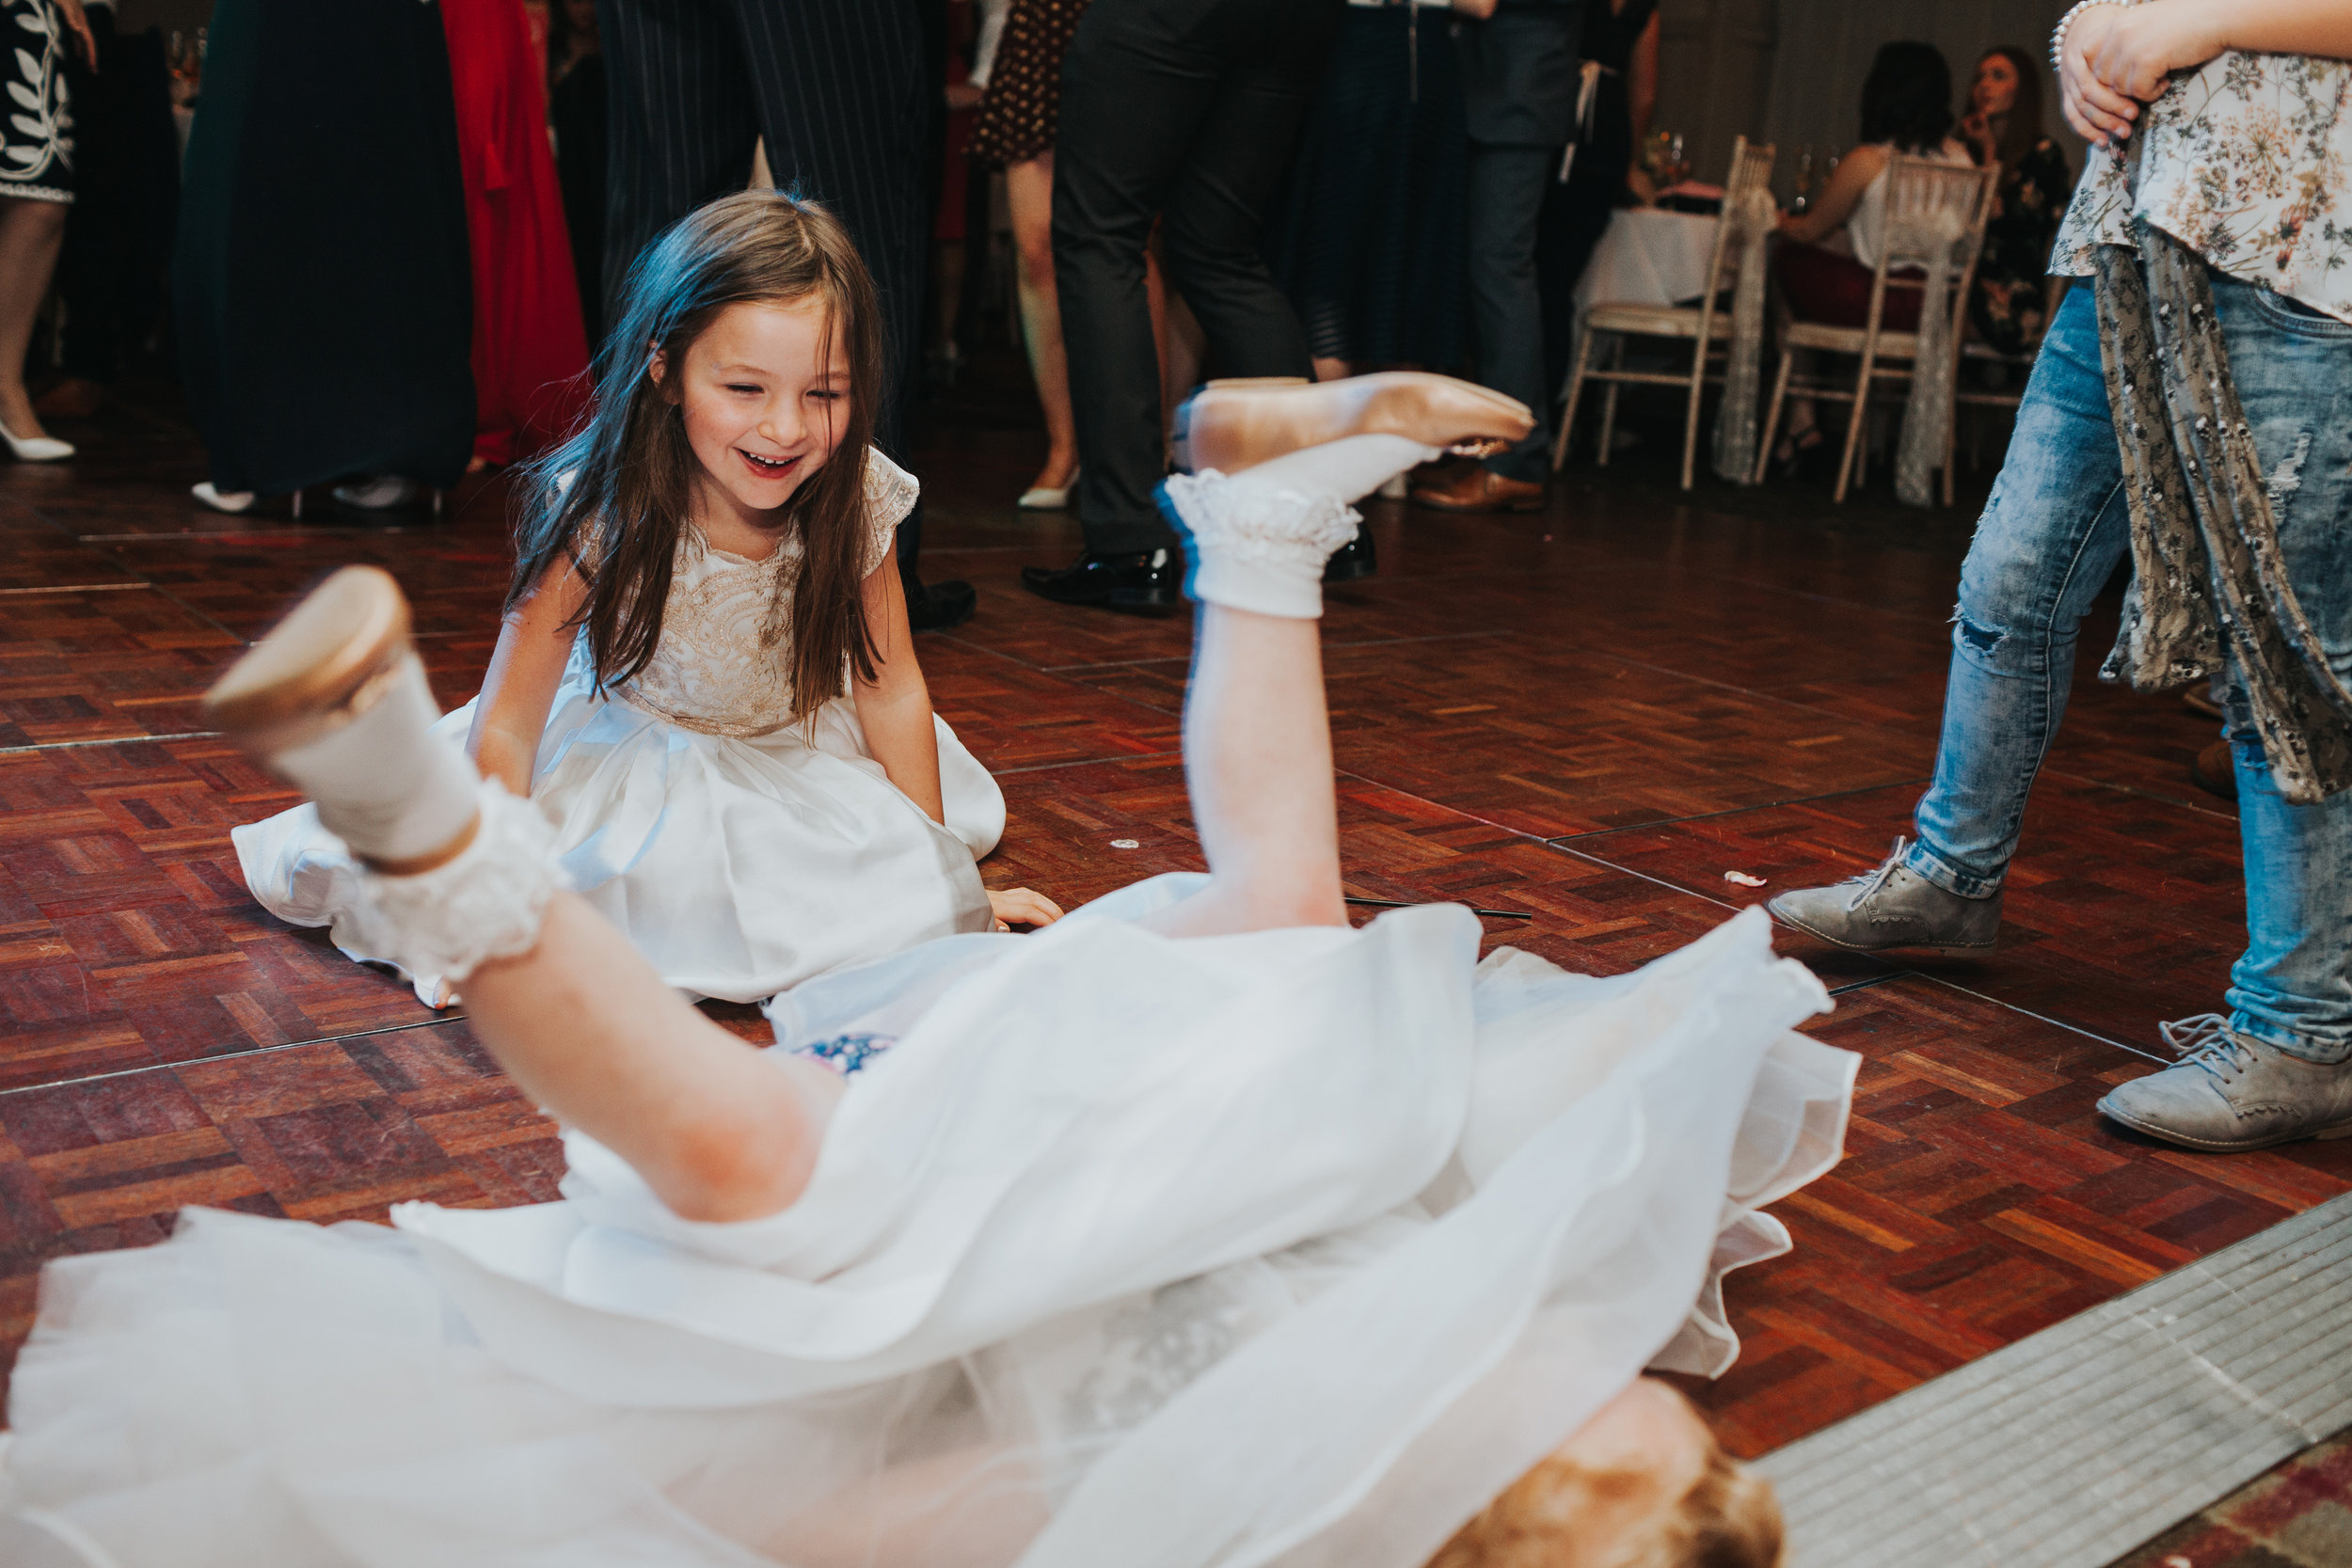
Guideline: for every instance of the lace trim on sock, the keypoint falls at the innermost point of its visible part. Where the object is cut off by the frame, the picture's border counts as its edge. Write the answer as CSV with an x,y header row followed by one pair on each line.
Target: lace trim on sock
x,y
1293,529
485,904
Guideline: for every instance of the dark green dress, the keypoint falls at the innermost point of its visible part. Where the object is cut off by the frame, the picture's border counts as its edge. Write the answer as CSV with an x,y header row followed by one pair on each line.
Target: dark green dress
x,y
321,280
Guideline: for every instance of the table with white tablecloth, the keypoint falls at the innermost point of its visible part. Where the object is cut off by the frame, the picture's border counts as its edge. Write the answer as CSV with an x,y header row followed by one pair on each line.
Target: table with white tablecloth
x,y
1648,256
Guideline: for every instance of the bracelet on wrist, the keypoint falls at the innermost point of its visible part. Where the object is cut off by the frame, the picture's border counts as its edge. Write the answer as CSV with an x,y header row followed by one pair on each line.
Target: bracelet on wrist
x,y
2058,36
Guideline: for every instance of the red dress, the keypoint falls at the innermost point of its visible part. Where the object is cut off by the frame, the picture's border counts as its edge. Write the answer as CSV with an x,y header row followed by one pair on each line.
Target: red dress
x,y
530,352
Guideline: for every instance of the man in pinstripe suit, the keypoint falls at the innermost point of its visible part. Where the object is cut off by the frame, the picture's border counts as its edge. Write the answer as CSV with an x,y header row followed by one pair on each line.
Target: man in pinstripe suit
x,y
837,90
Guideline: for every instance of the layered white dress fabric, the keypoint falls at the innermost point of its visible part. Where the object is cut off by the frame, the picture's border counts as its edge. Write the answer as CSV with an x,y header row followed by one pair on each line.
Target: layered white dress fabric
x,y
739,852
1288,1247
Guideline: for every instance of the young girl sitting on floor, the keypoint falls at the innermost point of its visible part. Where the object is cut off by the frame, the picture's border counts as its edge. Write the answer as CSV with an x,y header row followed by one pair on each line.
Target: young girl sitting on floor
x,y
698,581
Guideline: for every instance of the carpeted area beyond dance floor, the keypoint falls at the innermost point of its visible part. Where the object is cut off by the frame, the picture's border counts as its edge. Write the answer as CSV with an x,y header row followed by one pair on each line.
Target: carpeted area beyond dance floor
x,y
1595,715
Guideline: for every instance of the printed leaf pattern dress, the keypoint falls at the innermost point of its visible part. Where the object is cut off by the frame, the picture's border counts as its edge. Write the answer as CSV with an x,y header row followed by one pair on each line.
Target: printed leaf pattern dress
x,y
36,124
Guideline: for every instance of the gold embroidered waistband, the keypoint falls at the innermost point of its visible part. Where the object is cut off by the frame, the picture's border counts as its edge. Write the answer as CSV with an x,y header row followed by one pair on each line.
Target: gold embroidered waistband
x,y
699,725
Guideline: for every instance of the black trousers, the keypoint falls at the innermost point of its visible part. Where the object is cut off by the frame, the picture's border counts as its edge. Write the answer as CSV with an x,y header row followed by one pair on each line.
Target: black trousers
x,y
1186,111
837,89
1507,198
321,288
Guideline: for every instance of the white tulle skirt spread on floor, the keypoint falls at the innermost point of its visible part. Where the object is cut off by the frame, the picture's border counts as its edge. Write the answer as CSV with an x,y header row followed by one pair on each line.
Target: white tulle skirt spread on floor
x,y
1294,1246
739,866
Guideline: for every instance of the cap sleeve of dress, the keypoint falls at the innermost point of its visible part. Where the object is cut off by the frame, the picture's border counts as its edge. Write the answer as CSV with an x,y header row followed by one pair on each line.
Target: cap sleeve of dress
x,y
890,495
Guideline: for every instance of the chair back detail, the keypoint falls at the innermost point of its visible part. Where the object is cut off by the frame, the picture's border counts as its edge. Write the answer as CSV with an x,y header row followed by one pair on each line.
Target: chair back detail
x,y
1749,216
1936,219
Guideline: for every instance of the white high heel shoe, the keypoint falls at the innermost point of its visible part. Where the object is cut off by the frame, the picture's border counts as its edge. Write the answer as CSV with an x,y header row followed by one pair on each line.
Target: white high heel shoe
x,y
221,500
380,494
1037,498
36,448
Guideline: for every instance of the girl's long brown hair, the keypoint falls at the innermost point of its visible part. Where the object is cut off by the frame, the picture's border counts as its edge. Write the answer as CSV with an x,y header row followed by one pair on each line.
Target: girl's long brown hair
x,y
612,500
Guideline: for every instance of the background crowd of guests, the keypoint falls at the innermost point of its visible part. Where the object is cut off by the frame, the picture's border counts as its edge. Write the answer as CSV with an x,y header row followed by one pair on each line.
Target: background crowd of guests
x,y
394,273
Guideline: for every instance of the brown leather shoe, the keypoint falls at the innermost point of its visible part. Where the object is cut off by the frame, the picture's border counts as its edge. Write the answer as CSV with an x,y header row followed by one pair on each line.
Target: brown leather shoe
x,y
1479,489
1232,425
75,398
2214,771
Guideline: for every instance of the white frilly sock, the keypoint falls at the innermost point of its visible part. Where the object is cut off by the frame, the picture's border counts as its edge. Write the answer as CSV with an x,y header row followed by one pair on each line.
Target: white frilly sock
x,y
1257,540
486,903
384,785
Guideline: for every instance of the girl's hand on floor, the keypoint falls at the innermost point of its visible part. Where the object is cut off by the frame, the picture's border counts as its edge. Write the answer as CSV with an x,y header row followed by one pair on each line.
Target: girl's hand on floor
x,y
1020,907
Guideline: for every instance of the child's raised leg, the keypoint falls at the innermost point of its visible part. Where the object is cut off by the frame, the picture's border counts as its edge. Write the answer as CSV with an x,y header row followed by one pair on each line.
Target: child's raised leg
x,y
463,882
1257,733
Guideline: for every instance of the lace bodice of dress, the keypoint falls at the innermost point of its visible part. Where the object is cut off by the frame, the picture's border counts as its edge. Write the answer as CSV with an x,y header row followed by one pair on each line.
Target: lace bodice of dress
x,y
710,672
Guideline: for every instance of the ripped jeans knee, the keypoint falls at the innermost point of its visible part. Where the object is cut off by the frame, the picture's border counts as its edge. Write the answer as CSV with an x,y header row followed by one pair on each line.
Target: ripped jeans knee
x,y
2001,647
1975,639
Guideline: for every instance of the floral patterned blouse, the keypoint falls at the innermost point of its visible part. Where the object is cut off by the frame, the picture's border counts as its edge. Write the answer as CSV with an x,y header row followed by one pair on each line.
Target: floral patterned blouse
x,y
2248,164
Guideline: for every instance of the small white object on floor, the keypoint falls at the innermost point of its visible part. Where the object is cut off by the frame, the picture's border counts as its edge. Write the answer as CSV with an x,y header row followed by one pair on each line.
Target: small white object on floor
x,y
1126,844
380,493
221,500
1744,879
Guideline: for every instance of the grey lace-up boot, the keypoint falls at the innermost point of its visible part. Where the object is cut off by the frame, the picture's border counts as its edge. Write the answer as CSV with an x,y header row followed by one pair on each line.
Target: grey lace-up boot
x,y
1891,907
2231,1091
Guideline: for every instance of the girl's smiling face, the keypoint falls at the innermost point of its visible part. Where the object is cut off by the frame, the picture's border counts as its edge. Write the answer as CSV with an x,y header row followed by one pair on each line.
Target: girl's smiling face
x,y
764,393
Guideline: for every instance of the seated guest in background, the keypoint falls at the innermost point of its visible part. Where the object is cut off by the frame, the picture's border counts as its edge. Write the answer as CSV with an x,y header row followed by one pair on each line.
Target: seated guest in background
x,y
2004,126
1829,254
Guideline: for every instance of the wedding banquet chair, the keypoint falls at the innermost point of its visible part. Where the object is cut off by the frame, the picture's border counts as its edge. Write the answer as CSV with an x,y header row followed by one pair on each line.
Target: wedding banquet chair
x,y
1707,327
1935,218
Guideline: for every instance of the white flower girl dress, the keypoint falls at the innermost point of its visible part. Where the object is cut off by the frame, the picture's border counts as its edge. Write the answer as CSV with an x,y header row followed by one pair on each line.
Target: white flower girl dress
x,y
1289,1247
741,853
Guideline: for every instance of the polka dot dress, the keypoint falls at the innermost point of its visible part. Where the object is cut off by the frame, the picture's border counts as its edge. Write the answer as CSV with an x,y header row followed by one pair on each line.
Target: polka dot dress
x,y
1020,109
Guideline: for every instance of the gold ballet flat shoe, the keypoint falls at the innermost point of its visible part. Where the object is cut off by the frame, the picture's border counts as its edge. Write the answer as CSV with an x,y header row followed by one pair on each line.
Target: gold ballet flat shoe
x,y
324,664
1234,425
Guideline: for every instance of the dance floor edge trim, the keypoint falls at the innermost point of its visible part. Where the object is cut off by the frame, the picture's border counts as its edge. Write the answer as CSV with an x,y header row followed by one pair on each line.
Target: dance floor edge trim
x,y
2071,1447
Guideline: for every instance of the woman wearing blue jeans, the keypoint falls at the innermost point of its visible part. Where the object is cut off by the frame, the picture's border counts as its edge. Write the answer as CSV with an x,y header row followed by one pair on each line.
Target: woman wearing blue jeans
x,y
2250,216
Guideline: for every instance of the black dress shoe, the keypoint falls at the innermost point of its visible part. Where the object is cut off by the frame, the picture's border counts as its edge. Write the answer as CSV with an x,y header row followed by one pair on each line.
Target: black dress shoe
x,y
1808,460
1148,582
941,606
1352,561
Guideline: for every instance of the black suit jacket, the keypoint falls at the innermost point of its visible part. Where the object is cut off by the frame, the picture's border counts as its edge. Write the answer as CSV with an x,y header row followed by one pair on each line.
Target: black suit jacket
x,y
1519,71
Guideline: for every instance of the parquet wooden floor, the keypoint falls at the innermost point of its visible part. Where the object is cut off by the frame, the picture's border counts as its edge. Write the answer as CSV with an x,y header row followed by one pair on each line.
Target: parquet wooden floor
x,y
1591,715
